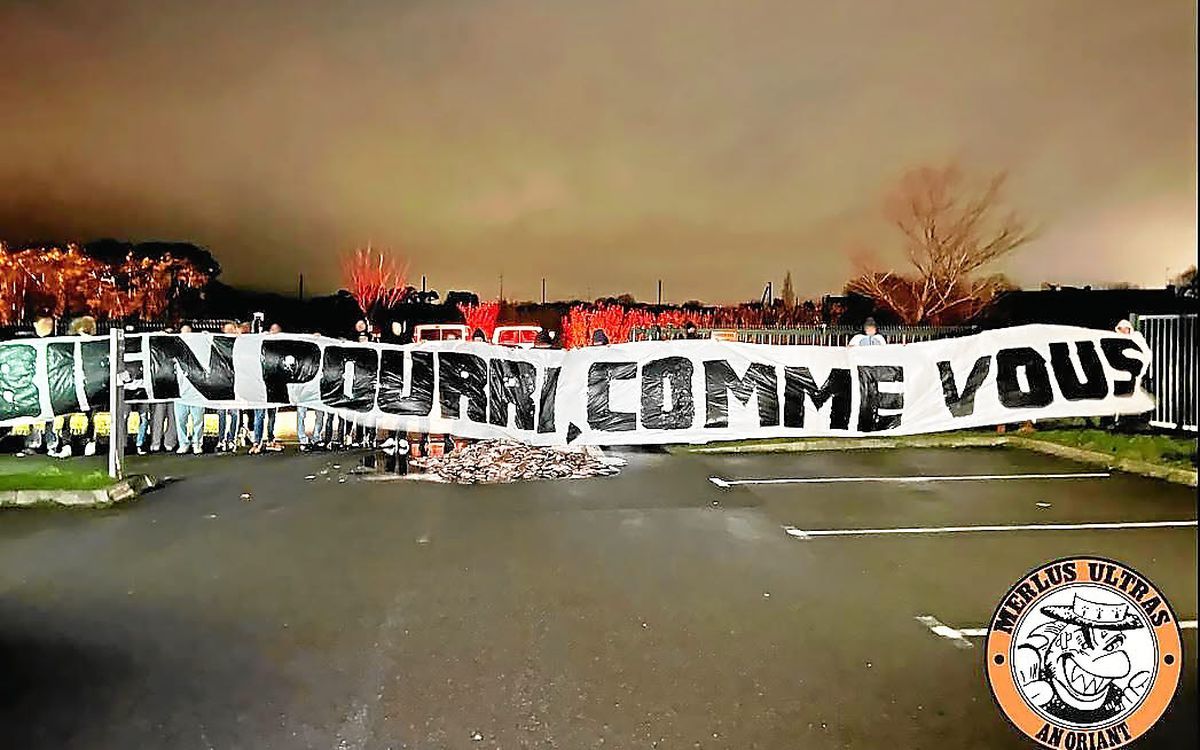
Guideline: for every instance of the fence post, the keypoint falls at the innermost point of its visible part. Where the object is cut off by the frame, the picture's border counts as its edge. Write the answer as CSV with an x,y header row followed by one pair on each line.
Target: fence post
x,y
117,420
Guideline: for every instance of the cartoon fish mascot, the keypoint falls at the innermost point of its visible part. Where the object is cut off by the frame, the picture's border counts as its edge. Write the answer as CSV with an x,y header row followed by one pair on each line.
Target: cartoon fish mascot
x,y
1074,666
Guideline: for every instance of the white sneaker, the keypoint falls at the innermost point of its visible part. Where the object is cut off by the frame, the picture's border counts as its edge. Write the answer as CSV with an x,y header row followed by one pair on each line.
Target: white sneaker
x,y
63,452
182,450
197,449
89,449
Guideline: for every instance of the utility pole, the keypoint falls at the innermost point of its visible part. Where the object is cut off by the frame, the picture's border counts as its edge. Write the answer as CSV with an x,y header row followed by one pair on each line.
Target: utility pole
x,y
422,282
501,287
300,291
543,290
660,291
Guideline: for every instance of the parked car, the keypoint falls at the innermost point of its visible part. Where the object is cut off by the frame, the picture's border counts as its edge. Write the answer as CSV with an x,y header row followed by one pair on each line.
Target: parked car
x,y
521,337
441,332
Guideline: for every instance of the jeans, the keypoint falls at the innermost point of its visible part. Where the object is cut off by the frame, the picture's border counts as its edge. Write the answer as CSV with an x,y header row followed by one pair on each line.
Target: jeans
x,y
305,437
264,418
227,424
143,412
333,428
194,439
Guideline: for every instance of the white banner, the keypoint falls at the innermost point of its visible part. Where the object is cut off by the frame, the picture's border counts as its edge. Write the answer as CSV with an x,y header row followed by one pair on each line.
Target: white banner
x,y
639,393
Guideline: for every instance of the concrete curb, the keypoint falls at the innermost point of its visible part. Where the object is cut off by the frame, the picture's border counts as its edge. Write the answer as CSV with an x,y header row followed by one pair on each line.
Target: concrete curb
x,y
852,444
119,492
1144,468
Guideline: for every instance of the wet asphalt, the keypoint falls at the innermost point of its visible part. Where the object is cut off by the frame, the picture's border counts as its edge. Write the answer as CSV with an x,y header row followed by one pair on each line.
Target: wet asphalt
x,y
653,609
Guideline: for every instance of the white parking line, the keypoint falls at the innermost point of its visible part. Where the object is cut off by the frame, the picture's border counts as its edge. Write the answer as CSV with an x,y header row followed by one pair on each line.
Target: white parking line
x,y
959,636
718,481
813,533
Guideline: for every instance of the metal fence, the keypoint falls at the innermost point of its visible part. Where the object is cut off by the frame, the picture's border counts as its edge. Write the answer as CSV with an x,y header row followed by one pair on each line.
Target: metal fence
x,y
199,325
814,335
1172,374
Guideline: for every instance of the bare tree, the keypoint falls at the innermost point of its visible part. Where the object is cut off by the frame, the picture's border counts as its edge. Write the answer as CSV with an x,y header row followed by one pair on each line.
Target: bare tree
x,y
951,230
375,279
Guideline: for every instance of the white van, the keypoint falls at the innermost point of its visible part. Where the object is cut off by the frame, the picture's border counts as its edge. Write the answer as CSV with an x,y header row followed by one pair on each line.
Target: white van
x,y
441,332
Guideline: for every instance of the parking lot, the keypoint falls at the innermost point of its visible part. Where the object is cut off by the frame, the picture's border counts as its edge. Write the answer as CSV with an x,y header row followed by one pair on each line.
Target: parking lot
x,y
716,601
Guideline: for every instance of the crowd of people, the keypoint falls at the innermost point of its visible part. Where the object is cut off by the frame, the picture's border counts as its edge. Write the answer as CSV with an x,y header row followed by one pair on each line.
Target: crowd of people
x,y
173,426
176,427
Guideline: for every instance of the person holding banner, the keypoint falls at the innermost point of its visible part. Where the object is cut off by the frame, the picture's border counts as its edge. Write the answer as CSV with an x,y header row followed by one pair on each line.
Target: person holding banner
x,y
164,434
264,419
81,326
44,326
193,440
315,439
227,419
870,335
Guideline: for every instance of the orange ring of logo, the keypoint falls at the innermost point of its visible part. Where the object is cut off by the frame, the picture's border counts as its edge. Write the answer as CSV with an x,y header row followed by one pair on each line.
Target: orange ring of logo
x,y
1023,716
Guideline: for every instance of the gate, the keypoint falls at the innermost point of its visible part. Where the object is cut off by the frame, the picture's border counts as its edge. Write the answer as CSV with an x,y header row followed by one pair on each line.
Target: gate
x,y
1172,374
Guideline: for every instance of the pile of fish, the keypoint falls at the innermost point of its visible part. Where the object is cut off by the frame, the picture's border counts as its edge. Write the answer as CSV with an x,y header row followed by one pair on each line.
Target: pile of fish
x,y
500,461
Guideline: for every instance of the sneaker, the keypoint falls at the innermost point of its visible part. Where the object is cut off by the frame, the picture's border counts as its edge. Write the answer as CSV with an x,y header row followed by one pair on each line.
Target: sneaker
x,y
141,450
181,450
89,449
63,452
197,450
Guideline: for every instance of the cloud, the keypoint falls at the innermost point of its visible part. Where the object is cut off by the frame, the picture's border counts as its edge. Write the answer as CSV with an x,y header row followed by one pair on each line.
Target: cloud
x,y
631,139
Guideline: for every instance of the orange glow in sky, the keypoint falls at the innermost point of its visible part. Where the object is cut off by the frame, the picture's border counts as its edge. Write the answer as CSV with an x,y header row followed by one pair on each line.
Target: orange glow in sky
x,y
602,145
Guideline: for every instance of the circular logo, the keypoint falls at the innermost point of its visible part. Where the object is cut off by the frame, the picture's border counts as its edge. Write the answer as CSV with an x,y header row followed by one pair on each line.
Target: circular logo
x,y
1084,653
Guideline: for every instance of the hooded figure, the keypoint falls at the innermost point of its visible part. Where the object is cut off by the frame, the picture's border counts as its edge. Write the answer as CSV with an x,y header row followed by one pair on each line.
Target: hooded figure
x,y
599,337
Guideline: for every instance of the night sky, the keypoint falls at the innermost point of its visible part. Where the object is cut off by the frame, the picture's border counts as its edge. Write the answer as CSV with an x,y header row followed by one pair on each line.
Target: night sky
x,y
602,144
